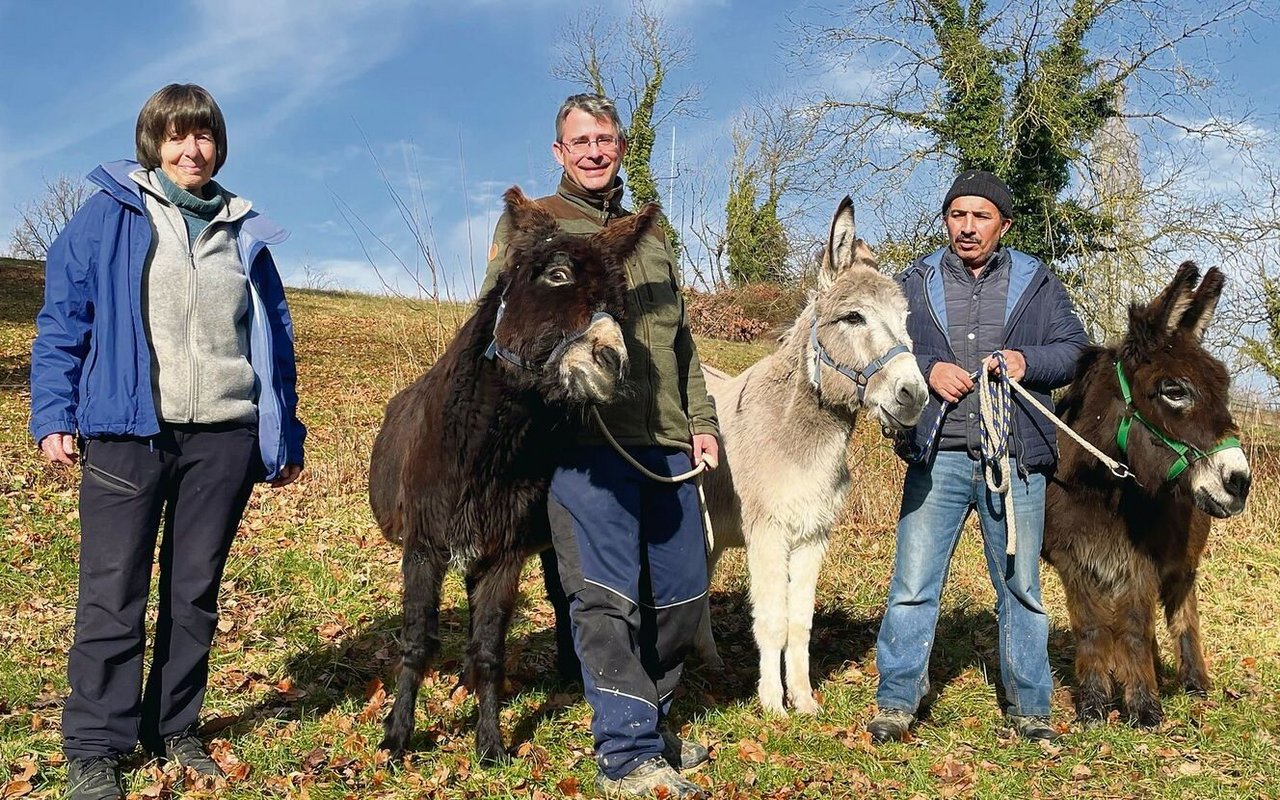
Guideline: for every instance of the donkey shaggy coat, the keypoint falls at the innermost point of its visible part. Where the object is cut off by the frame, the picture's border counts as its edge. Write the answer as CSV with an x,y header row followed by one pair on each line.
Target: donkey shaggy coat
x,y
460,468
1122,545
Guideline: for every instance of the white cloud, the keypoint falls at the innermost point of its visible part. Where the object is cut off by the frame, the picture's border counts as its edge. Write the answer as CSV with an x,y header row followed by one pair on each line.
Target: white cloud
x,y
283,53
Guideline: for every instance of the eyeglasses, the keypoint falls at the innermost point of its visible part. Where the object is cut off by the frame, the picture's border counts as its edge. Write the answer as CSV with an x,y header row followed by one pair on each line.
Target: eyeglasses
x,y
605,143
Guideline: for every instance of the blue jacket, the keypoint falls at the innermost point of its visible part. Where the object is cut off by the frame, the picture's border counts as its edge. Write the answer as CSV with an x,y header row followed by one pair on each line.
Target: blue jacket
x,y
1039,321
90,363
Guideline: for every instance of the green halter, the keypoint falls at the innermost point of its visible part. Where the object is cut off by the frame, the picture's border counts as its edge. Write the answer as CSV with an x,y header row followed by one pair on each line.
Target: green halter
x,y
1186,453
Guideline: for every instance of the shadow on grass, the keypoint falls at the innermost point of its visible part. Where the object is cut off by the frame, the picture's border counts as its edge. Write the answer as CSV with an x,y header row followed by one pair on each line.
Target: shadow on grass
x,y
966,637
341,672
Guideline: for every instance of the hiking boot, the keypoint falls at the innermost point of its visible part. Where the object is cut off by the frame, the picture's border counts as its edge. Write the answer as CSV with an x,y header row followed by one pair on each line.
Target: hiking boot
x,y
1031,728
187,751
653,778
94,779
682,754
890,725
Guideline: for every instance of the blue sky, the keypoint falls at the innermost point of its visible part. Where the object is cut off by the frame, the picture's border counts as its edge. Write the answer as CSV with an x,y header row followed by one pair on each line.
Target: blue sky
x,y
455,99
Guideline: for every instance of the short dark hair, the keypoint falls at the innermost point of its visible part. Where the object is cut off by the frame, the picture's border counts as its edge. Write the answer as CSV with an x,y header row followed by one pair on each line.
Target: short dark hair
x,y
597,105
179,108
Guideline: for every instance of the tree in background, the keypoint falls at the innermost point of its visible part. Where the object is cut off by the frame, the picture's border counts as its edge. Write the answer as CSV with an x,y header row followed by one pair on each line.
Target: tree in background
x,y
1109,132
630,62
1264,349
41,220
761,171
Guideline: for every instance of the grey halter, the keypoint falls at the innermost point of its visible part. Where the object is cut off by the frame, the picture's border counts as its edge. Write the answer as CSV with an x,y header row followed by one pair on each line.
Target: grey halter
x,y
821,356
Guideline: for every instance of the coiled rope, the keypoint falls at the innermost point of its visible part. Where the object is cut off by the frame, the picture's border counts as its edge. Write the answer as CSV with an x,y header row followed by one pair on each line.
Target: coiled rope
x,y
995,404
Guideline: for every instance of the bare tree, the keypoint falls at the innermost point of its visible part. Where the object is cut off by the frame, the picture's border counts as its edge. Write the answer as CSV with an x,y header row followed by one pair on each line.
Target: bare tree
x,y
630,61
1104,112
41,220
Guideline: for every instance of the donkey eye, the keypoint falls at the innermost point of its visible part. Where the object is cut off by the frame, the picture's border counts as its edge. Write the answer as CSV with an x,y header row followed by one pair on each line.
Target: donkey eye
x,y
1175,393
558,275
854,318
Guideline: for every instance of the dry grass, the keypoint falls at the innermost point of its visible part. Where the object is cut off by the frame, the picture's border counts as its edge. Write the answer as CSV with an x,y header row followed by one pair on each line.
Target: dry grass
x,y
310,611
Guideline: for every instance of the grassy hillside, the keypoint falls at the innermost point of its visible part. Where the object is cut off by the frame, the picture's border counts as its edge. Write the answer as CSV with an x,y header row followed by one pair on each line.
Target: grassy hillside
x,y
310,613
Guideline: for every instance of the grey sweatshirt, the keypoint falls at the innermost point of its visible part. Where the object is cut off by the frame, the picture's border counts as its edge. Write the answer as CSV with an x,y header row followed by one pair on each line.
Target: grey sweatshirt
x,y
195,305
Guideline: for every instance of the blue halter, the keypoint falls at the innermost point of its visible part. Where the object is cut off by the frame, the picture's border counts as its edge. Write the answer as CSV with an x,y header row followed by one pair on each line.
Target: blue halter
x,y
821,356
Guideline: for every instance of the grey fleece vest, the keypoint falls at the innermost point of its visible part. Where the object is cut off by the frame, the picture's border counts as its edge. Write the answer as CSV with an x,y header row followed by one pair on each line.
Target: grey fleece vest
x,y
975,327
195,305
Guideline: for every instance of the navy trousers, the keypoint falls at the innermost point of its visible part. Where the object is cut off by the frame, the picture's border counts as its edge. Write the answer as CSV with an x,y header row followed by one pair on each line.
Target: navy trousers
x,y
196,479
632,560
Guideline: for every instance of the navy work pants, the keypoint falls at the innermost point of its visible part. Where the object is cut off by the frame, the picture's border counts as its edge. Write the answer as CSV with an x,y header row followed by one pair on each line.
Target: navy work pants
x,y
632,559
196,480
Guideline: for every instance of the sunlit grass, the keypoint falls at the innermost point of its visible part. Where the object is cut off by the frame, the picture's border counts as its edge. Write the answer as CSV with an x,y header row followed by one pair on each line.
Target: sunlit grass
x,y
311,611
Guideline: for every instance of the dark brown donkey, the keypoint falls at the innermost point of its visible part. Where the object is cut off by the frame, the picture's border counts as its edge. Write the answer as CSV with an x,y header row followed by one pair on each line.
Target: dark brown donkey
x,y
459,471
1157,401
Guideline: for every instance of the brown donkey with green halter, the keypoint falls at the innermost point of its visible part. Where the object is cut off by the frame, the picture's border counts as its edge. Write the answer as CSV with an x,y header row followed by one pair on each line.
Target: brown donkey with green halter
x,y
1157,400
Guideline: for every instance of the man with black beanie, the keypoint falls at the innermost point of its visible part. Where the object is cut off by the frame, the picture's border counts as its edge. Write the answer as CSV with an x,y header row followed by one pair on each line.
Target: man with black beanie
x,y
967,301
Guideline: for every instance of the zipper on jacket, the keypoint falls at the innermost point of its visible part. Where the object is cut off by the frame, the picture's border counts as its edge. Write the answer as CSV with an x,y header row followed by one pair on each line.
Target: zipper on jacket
x,y
933,314
193,285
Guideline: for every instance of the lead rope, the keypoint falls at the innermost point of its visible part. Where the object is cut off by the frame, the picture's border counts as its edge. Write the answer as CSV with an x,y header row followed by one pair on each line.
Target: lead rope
x,y
994,403
692,474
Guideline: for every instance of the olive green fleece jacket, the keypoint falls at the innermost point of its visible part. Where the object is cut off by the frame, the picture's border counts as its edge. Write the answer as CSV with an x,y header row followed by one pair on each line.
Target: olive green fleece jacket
x,y
664,399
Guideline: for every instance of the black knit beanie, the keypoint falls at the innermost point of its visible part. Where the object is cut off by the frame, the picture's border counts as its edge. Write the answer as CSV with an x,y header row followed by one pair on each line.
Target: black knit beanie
x,y
979,183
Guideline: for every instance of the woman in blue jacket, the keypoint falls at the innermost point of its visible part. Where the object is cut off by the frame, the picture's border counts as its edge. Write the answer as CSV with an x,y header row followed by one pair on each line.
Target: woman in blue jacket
x,y
163,363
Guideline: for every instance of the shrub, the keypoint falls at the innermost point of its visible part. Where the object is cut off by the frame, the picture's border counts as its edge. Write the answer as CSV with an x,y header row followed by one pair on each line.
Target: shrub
x,y
743,313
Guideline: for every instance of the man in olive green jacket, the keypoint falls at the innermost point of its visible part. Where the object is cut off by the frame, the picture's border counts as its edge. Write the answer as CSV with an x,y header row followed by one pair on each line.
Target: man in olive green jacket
x,y
631,551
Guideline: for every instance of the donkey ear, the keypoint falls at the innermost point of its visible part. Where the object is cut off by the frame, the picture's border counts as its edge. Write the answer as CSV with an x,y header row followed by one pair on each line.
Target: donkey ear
x,y
1169,306
621,236
1203,303
844,249
526,214
842,242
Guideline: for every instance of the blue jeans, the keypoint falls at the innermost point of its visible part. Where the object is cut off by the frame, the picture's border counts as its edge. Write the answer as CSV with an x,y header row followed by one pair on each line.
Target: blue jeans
x,y
936,500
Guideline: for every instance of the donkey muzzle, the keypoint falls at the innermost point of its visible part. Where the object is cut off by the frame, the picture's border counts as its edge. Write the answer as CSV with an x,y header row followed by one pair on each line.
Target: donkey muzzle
x,y
594,364
1220,483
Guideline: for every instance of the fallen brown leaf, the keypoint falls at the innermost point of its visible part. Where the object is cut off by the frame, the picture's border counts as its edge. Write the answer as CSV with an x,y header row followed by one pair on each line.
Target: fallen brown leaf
x,y
19,788
750,750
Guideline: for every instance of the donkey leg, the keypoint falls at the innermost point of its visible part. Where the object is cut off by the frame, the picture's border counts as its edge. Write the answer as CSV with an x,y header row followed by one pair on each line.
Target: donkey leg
x,y
806,560
492,598
423,573
1136,657
1182,614
767,563
1092,627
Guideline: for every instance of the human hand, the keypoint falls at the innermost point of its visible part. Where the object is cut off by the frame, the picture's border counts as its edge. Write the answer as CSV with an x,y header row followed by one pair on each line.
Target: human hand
x,y
288,474
949,381
1013,360
706,448
60,448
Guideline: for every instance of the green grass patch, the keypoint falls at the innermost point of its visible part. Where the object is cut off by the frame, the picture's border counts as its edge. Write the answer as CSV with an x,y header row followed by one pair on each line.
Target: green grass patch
x,y
306,646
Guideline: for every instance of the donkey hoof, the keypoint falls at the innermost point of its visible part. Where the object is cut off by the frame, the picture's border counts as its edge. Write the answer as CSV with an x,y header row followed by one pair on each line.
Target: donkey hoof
x,y
805,704
395,745
1146,714
772,703
491,753
1198,685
